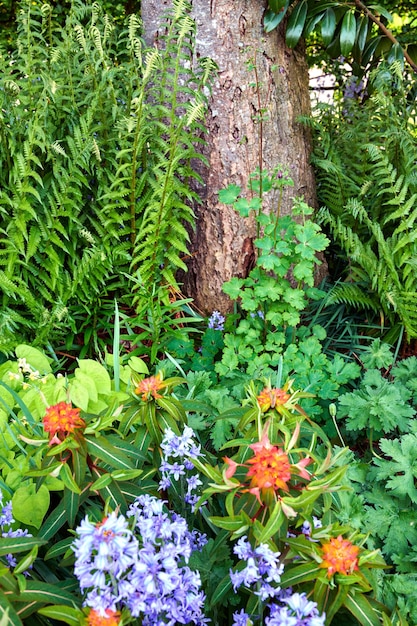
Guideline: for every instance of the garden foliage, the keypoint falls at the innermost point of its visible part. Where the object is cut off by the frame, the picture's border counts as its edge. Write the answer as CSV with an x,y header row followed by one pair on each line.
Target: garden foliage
x,y
368,196
97,138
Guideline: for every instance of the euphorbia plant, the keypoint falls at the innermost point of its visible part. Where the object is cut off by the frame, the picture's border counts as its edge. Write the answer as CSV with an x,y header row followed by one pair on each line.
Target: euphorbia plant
x,y
275,491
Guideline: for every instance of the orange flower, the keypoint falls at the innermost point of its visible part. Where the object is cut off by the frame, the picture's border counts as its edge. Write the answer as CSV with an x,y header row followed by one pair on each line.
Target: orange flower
x,y
110,618
149,387
271,468
339,555
270,398
62,418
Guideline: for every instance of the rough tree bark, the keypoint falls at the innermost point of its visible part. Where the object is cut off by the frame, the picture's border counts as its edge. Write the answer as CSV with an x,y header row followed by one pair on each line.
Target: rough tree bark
x,y
231,33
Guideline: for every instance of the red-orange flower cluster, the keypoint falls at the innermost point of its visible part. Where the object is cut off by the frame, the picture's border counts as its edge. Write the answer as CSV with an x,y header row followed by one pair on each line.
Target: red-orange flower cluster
x,y
62,418
269,470
148,387
270,398
339,555
110,618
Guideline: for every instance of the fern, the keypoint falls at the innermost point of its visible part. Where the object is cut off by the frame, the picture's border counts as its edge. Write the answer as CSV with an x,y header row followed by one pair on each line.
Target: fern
x,y
369,197
95,159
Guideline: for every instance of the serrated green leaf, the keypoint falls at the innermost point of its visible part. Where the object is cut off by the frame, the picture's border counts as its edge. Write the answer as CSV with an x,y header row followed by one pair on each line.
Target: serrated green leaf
x,y
230,194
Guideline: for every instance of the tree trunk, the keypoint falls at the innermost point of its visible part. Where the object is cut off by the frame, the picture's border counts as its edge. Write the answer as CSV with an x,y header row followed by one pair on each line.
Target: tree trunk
x,y
231,33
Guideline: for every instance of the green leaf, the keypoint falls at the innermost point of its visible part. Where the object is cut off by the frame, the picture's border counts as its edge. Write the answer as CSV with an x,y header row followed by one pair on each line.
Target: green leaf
x,y
229,523
328,26
29,505
8,615
276,5
99,447
72,504
63,613
362,33
300,574
273,525
78,394
138,365
68,479
377,8
44,593
58,549
348,33
54,522
272,19
97,373
34,357
295,24
362,610
396,54
13,545
230,194
242,206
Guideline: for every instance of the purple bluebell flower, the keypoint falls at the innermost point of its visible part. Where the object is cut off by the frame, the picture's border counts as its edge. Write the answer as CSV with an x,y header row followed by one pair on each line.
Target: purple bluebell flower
x,y
6,520
241,619
137,563
183,449
216,321
262,568
295,610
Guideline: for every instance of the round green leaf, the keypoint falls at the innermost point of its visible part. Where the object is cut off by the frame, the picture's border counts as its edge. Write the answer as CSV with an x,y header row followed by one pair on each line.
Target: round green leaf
x,y
34,357
30,506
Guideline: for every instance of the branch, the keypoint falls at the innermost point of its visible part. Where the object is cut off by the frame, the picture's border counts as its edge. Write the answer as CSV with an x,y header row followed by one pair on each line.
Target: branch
x,y
386,32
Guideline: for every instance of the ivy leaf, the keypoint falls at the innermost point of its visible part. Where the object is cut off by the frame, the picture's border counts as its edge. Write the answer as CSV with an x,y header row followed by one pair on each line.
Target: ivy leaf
x,y
402,470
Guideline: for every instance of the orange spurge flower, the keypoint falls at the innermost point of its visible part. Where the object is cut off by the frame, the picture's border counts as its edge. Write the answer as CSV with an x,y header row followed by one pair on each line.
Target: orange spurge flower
x,y
270,467
62,418
270,398
339,555
149,387
110,618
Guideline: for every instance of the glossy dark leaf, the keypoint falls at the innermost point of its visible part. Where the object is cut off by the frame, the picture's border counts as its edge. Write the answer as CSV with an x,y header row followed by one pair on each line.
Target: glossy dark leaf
x,y
295,24
276,5
347,33
272,20
362,33
328,26
396,54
